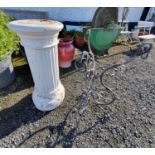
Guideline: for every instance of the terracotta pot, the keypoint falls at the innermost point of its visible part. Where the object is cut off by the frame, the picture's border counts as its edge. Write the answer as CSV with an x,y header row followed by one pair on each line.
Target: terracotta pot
x,y
65,52
79,40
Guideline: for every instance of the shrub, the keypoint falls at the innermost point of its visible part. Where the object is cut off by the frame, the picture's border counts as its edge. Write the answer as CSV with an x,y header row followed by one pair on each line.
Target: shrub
x,y
79,33
69,33
8,39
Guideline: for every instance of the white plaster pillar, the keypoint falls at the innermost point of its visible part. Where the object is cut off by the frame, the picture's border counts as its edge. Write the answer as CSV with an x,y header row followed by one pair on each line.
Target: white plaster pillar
x,y
40,40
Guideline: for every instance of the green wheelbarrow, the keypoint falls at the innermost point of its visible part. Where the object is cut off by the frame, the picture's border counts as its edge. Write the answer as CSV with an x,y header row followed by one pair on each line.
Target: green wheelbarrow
x,y
101,39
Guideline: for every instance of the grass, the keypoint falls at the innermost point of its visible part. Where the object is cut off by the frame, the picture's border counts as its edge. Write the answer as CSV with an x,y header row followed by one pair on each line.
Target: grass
x,y
19,61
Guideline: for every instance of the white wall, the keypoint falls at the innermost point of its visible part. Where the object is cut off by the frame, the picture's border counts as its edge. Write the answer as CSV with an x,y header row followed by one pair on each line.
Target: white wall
x,y
134,13
81,13
151,12
66,13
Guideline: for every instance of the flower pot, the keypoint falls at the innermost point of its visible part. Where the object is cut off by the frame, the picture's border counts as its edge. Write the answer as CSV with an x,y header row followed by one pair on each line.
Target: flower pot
x,y
40,40
7,74
66,52
79,40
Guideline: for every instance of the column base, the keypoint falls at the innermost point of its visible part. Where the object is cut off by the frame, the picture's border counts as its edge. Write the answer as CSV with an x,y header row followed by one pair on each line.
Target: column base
x,y
47,104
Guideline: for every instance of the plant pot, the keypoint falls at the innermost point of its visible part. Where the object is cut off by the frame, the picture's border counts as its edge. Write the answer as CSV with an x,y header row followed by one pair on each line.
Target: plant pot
x,y
79,40
7,74
65,52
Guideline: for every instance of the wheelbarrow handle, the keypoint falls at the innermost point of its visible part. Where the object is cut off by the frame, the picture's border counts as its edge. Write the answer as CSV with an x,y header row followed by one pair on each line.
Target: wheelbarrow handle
x,y
87,34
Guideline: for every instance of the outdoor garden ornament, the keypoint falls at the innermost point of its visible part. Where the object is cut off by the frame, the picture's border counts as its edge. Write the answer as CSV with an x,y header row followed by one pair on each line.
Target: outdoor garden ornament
x,y
40,40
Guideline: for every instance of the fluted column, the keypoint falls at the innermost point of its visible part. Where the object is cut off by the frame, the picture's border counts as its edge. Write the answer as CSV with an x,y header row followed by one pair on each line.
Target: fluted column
x,y
40,40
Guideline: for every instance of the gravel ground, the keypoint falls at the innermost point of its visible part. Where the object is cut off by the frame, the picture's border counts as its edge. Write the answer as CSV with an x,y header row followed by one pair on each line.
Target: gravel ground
x,y
128,121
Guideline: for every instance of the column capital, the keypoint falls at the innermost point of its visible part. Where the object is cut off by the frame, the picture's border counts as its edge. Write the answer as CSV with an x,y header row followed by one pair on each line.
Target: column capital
x,y
36,33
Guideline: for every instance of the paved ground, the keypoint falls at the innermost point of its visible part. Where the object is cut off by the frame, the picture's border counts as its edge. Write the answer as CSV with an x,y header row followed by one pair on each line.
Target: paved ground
x,y
127,122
